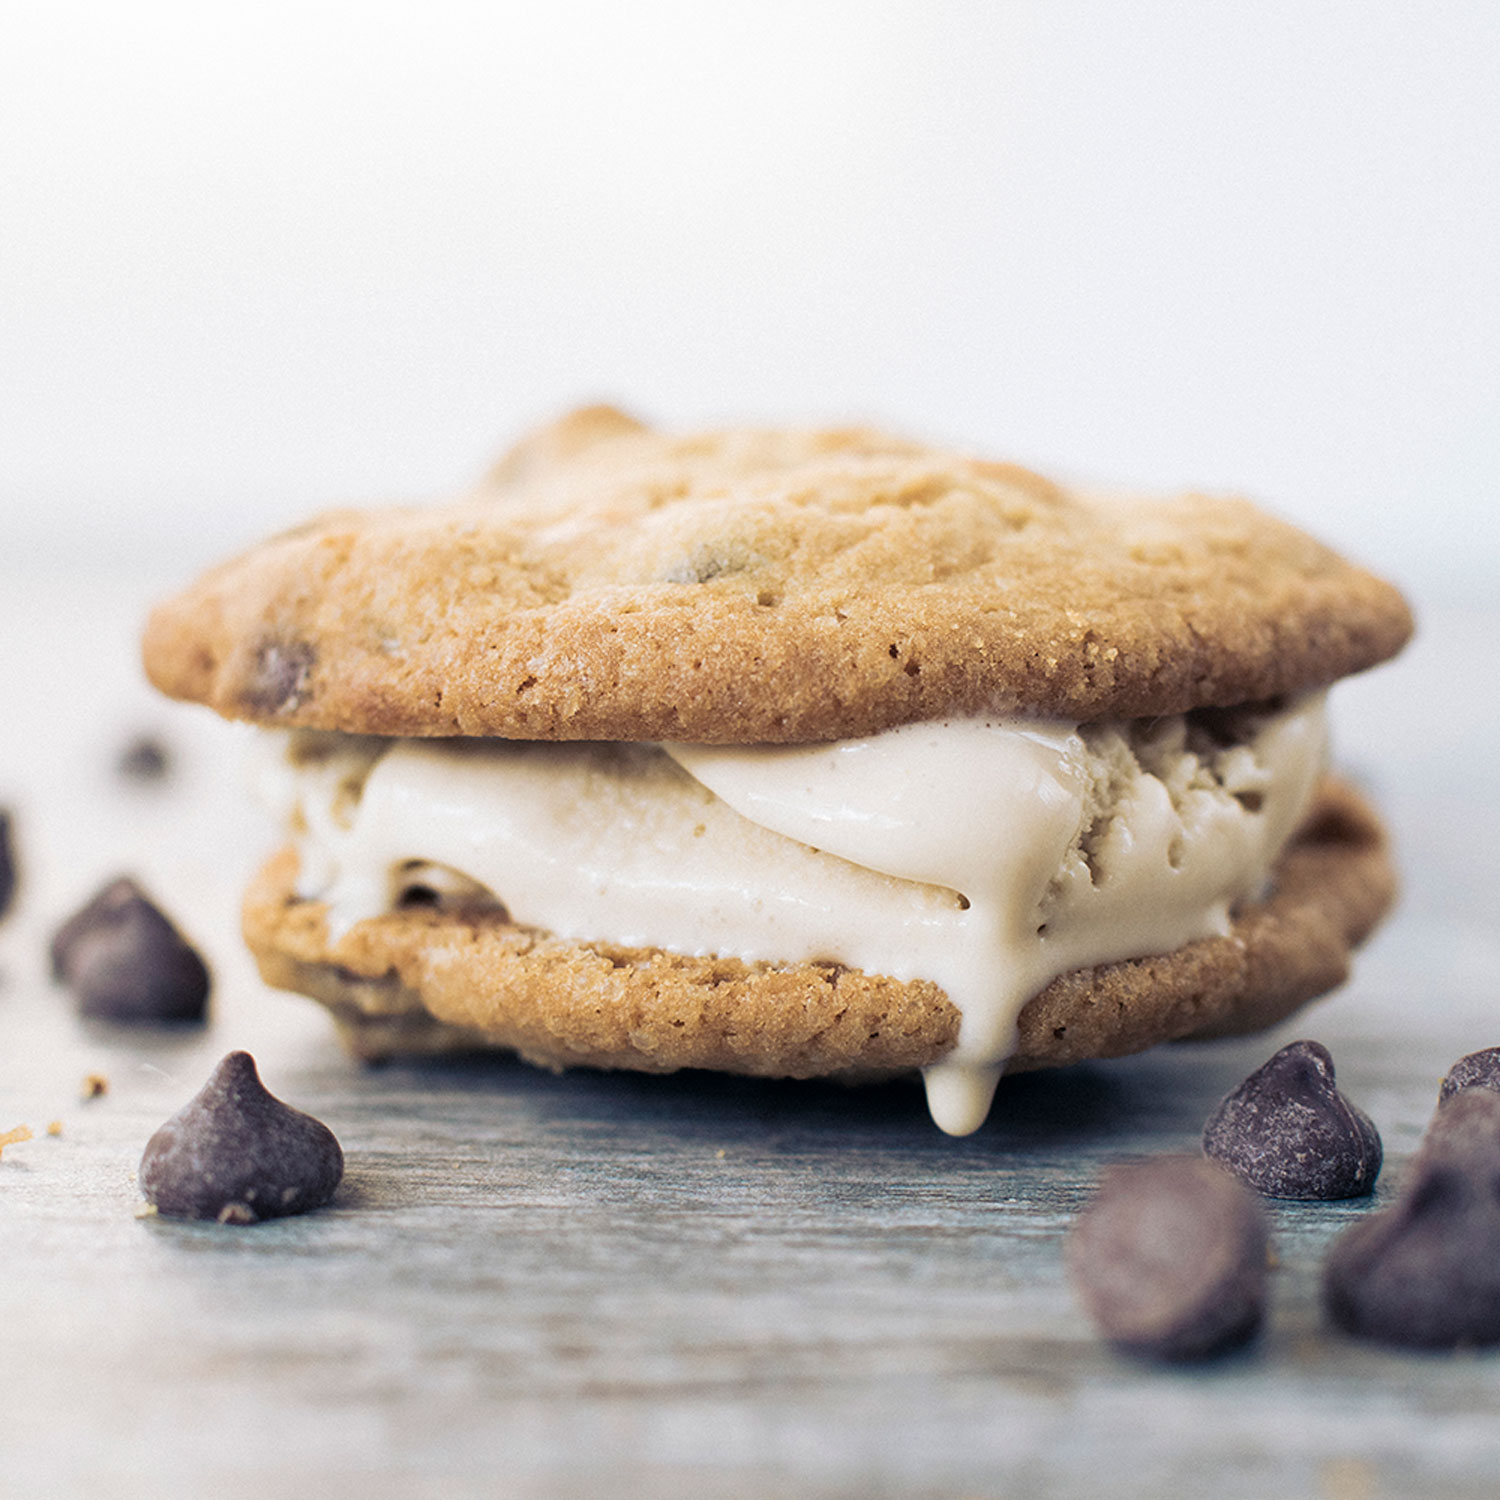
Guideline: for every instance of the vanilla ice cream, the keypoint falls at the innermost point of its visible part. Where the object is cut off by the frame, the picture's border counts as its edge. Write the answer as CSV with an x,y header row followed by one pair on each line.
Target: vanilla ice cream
x,y
986,855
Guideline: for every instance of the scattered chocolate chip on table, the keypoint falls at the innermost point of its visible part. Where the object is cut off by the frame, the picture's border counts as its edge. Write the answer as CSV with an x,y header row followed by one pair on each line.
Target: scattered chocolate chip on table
x,y
1170,1259
1289,1132
1479,1070
235,1153
1425,1273
145,759
125,961
7,863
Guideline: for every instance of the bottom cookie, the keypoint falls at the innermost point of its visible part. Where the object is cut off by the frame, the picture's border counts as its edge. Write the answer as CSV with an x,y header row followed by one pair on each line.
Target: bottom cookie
x,y
428,980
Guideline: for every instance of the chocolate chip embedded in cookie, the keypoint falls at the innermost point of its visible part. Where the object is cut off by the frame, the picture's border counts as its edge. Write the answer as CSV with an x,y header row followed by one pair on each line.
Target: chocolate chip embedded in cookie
x,y
796,752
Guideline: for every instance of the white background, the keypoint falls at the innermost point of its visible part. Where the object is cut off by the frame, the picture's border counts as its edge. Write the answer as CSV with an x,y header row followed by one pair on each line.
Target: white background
x,y
259,259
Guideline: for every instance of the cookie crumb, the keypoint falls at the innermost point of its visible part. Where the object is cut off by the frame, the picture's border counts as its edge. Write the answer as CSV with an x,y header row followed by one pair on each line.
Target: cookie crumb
x,y
54,1127
14,1137
1347,1479
94,1086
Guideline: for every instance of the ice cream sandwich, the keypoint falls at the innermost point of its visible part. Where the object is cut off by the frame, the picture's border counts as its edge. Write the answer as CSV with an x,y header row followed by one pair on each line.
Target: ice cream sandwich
x,y
795,753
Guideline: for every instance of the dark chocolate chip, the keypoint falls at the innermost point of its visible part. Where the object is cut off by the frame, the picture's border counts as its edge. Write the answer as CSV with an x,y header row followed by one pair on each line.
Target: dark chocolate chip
x,y
1170,1259
710,560
125,961
1425,1273
1467,1137
7,863
279,676
145,758
1290,1133
237,1154
1479,1070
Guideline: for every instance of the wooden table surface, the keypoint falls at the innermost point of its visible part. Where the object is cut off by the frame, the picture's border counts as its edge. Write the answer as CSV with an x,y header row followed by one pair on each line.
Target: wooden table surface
x,y
611,1285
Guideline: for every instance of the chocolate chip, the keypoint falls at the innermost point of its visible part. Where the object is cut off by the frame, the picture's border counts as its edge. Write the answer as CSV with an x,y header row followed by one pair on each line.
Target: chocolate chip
x,y
1425,1273
7,863
1479,1070
1290,1133
278,679
125,961
237,1154
144,759
710,560
1170,1259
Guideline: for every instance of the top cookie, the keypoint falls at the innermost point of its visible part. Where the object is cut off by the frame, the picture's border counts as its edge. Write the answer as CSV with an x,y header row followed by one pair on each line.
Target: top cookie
x,y
763,586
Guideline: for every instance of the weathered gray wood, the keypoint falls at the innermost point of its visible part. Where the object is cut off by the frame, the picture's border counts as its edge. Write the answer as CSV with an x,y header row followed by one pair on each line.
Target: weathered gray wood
x,y
533,1285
